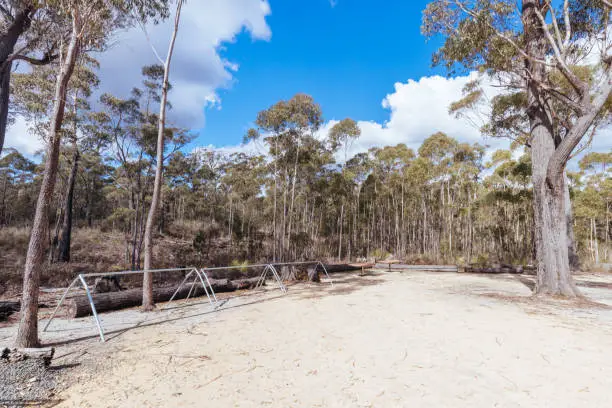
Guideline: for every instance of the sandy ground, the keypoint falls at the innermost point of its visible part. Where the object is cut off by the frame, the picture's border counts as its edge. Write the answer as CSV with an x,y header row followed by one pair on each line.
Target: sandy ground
x,y
384,340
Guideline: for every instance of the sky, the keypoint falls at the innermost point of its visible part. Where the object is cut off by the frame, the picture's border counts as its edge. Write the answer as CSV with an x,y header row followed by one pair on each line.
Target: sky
x,y
358,59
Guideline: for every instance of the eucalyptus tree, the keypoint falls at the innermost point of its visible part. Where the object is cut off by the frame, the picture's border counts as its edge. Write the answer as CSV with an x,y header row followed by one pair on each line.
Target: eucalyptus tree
x,y
91,22
147,289
287,126
17,175
528,49
26,34
32,98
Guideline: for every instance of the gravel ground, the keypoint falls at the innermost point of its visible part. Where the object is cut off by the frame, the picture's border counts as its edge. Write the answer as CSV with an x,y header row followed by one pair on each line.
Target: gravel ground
x,y
26,383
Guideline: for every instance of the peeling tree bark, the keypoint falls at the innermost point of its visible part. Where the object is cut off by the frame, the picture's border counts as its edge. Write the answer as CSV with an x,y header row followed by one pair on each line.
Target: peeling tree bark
x,y
550,155
27,333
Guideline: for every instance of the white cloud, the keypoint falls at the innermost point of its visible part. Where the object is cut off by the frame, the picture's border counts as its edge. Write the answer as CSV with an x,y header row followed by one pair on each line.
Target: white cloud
x,y
19,137
419,109
198,68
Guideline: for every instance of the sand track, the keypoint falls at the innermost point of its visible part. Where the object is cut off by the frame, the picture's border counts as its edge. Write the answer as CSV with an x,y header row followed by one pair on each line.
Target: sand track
x,y
388,340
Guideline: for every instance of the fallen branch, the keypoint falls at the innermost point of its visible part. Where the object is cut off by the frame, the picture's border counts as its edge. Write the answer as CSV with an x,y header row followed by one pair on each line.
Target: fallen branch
x,y
79,306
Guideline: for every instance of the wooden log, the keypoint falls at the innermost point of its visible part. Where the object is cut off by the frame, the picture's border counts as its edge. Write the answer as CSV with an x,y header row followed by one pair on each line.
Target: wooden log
x,y
14,355
8,308
496,269
422,268
79,306
334,268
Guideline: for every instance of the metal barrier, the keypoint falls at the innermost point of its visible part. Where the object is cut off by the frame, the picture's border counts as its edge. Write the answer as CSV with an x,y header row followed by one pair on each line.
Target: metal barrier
x,y
316,263
81,278
198,274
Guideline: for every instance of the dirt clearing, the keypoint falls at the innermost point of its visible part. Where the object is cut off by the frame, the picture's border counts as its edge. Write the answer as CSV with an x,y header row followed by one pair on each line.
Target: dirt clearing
x,y
384,340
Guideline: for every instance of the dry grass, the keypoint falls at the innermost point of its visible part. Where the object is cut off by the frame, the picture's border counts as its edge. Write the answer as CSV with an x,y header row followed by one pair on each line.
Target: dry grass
x,y
93,250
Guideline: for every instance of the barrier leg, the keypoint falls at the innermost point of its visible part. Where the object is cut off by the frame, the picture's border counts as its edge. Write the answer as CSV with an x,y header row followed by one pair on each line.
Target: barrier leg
x,y
93,308
202,271
326,273
59,304
178,289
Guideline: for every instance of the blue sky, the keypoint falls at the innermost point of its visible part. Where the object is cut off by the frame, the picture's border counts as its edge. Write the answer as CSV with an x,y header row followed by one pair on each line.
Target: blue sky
x,y
359,59
234,58
347,57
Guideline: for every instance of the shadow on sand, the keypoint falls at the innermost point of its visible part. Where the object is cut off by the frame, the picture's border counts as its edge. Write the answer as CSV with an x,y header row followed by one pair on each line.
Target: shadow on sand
x,y
342,285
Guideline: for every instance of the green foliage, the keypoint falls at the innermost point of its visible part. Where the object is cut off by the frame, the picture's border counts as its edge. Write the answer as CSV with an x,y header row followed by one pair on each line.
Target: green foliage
x,y
243,265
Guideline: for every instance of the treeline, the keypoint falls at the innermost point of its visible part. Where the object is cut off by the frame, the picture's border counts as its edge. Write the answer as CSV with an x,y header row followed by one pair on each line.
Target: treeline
x,y
445,202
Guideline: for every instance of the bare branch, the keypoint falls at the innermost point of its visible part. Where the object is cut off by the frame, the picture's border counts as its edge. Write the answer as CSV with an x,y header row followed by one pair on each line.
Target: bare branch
x,y
583,123
568,24
146,33
556,27
35,61
578,84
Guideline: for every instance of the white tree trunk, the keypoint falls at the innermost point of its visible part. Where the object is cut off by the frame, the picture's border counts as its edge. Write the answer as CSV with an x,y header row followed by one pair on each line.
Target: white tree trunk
x,y
147,282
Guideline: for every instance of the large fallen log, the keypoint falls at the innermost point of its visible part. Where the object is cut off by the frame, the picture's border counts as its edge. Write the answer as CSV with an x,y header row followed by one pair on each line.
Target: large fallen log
x,y
8,308
503,268
15,355
420,268
79,306
334,268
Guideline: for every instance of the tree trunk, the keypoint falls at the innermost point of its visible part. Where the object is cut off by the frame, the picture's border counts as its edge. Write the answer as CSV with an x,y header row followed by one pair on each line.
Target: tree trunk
x,y
20,24
27,333
552,258
63,244
147,284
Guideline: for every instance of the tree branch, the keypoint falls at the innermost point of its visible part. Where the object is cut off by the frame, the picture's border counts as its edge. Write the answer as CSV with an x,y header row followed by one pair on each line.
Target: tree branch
x,y
47,59
576,133
578,84
568,24
501,35
146,33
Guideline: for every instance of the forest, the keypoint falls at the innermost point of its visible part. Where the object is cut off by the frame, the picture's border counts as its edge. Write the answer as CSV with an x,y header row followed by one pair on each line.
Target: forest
x,y
445,203
120,186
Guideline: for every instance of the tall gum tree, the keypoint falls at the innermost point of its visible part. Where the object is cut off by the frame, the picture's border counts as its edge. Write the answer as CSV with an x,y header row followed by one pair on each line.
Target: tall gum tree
x,y
528,48
147,284
91,22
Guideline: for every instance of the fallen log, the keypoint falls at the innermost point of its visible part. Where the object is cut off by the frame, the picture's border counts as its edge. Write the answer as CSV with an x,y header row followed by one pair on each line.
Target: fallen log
x,y
420,268
79,306
20,354
334,268
8,308
496,269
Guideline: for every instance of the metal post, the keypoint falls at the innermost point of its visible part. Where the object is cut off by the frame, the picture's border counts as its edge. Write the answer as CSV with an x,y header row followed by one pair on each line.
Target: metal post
x,y
262,277
59,304
326,273
278,279
202,271
179,288
93,307
199,275
195,280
